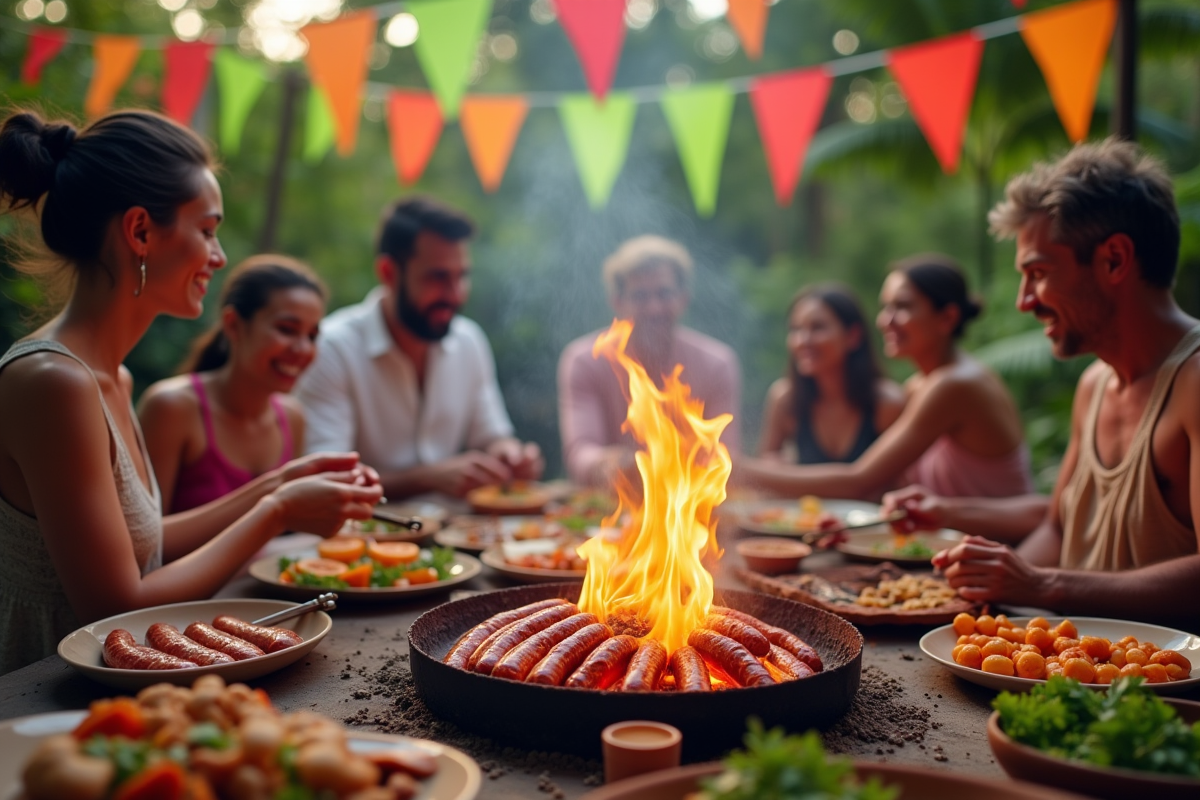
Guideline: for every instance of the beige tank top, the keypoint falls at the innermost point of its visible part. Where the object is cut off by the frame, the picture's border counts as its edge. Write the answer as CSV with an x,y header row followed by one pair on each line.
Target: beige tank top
x,y
34,611
1115,519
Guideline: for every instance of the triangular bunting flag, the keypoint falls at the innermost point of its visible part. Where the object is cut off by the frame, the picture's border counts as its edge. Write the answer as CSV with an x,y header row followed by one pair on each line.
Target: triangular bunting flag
x,y
450,32
596,29
414,125
114,57
320,132
748,18
788,107
598,133
938,80
44,44
699,120
491,125
185,74
240,81
1069,43
337,62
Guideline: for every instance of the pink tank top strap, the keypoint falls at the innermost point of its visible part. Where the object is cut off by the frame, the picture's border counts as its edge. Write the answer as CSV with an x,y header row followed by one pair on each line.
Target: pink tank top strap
x,y
287,452
205,411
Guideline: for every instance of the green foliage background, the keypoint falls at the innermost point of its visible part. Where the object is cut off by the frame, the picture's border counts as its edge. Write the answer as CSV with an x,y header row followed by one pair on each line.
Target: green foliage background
x,y
871,192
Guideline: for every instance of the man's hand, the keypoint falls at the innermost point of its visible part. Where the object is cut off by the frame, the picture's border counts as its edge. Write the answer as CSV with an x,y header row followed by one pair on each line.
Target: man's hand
x,y
470,470
321,503
926,510
523,459
985,571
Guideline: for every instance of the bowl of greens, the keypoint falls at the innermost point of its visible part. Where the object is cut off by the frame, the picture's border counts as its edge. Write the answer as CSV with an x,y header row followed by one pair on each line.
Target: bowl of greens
x,y
1111,744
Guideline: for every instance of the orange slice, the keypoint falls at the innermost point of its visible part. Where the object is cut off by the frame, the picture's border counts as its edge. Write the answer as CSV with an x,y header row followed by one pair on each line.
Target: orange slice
x,y
392,553
342,548
418,576
359,577
321,567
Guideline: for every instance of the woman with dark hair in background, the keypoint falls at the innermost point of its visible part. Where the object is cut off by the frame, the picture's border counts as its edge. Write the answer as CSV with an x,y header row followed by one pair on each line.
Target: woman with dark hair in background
x,y
960,433
227,427
834,401
128,208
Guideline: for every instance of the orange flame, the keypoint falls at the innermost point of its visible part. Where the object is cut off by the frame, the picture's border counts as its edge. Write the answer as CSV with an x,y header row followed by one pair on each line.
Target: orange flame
x,y
654,570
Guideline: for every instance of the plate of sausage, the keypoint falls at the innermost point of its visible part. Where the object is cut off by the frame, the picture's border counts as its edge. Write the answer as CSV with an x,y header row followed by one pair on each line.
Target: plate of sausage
x,y
179,642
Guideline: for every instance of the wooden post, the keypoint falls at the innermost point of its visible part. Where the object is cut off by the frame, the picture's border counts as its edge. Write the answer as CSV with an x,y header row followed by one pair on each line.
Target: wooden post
x,y
292,84
1124,116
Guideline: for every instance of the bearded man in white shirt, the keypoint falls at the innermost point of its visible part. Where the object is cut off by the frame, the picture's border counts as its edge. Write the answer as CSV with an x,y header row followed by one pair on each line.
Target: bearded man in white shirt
x,y
404,380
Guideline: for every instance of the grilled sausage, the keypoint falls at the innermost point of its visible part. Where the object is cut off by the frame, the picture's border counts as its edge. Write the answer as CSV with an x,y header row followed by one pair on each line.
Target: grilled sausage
x,y
744,634
785,639
605,665
788,664
121,651
742,616
518,661
168,639
690,671
235,648
733,659
646,667
496,646
565,656
272,640
462,650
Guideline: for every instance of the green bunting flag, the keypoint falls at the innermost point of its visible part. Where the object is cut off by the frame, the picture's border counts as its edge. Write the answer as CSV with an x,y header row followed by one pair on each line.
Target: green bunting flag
x,y
320,132
699,120
240,81
598,133
449,36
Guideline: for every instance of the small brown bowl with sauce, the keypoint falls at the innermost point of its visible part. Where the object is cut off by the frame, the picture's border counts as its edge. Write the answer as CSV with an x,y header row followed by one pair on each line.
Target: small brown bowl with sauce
x,y
772,555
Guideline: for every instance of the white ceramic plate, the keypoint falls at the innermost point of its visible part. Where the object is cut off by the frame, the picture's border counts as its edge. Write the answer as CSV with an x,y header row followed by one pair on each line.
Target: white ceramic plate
x,y
476,533
850,511
878,546
84,649
266,570
938,644
494,558
458,776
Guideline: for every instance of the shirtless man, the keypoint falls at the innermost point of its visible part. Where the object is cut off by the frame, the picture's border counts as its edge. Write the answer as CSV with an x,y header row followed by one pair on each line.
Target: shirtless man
x,y
1097,240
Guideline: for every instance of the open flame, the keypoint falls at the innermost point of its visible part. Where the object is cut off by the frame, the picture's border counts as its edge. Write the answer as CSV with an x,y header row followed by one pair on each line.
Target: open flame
x,y
653,572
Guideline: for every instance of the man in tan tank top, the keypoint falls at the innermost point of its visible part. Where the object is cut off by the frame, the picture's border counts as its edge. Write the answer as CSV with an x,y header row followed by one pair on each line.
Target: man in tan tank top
x,y
1097,242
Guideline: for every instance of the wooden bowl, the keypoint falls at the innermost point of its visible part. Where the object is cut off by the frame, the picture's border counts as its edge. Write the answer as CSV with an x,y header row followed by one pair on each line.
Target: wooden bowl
x,y
771,555
1030,764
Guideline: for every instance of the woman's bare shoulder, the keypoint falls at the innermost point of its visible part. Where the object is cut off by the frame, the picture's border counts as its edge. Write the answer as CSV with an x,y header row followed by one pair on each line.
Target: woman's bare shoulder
x,y
779,391
46,372
890,399
170,396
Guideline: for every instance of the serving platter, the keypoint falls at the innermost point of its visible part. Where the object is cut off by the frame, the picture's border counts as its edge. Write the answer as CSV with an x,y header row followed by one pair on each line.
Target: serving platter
x,y
494,557
458,776
266,571
519,497
477,532
84,649
878,546
782,517
938,644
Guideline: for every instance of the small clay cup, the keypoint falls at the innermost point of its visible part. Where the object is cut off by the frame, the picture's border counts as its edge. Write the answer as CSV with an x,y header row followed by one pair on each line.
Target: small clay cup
x,y
635,747
772,555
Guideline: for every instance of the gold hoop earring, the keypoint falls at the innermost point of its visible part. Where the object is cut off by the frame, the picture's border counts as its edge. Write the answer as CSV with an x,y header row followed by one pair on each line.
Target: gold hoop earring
x,y
142,286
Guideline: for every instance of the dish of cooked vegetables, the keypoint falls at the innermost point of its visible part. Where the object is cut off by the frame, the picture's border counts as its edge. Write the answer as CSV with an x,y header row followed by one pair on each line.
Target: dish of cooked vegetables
x,y
515,497
219,741
476,533
908,549
1127,726
1019,653
537,561
805,516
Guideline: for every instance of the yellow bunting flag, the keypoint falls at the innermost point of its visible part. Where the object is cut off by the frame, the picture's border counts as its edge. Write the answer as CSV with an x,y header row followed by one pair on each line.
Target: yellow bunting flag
x,y
1069,43
748,18
337,62
115,57
491,125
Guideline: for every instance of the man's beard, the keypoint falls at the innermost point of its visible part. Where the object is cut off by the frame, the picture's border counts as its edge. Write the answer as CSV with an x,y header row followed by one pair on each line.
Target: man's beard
x,y
417,322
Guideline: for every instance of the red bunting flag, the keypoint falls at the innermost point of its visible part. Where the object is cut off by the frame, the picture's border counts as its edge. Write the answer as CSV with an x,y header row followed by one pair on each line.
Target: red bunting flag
x,y
185,74
938,80
491,125
337,62
414,125
596,29
748,18
44,44
788,107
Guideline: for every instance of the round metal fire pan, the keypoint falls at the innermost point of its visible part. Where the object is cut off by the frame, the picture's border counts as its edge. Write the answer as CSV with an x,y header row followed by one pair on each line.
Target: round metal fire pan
x,y
566,720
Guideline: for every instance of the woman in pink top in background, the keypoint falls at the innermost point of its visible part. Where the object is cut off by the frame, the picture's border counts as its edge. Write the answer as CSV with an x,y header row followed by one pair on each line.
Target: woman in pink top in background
x,y
960,433
227,429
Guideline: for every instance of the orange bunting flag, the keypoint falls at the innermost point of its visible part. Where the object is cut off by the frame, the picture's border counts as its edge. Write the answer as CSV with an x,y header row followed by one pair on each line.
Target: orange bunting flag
x,y
491,125
414,126
1069,43
596,29
185,74
337,62
115,57
748,18
938,80
788,108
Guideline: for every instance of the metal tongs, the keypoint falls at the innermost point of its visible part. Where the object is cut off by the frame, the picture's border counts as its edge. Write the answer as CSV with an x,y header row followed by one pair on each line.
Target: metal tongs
x,y
412,523
322,602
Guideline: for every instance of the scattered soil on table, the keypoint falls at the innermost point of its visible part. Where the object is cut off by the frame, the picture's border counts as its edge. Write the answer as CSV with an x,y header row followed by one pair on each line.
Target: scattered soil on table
x,y
877,717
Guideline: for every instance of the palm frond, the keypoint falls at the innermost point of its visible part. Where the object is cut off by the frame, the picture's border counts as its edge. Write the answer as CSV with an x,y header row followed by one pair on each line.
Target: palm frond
x,y
1021,354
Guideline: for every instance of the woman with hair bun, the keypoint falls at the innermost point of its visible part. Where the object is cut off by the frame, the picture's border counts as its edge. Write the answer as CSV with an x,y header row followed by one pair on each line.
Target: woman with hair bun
x,y
128,209
227,428
959,434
